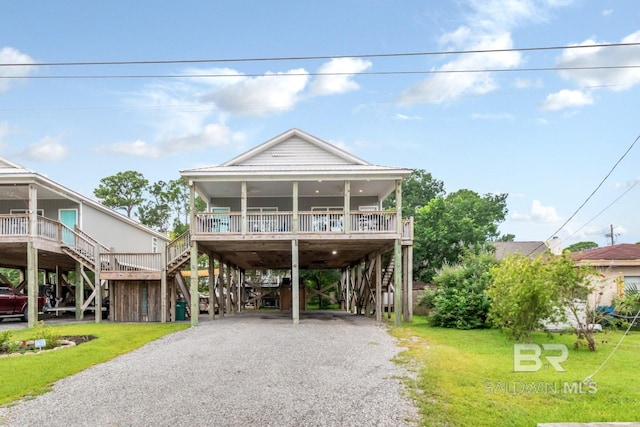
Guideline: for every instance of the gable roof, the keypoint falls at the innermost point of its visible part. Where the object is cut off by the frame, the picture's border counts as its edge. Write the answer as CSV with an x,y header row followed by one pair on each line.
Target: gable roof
x,y
527,249
295,146
295,153
12,173
620,252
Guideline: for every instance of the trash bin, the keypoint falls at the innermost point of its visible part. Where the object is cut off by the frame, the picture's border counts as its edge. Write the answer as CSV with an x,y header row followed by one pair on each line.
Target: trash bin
x,y
181,308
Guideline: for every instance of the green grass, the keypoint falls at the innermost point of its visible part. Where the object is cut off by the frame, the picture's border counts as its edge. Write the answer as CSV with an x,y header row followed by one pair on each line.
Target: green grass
x,y
467,378
25,376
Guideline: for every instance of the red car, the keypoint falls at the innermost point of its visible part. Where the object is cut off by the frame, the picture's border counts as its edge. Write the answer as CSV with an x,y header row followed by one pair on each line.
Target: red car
x,y
14,305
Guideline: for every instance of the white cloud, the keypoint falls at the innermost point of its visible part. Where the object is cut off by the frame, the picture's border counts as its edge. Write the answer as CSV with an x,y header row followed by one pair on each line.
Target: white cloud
x,y
566,99
9,55
488,26
607,12
592,60
339,76
263,95
521,83
627,184
212,135
132,148
48,149
489,116
538,213
448,86
403,117
4,130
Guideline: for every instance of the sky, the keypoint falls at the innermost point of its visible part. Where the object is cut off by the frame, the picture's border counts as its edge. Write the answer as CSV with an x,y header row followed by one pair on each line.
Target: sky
x,y
527,112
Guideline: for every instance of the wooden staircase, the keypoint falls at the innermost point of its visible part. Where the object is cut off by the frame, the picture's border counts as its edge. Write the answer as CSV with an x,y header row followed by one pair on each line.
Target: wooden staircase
x,y
179,254
81,247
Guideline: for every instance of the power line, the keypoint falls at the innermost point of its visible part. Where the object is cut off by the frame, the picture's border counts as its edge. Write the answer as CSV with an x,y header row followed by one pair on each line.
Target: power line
x,y
299,74
592,193
606,208
309,58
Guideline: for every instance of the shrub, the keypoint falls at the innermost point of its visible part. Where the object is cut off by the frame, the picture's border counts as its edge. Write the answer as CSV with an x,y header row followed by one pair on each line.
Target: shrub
x,y
5,342
459,300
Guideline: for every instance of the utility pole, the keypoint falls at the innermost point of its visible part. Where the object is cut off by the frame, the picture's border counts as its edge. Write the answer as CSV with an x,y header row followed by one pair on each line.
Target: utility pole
x,y
612,235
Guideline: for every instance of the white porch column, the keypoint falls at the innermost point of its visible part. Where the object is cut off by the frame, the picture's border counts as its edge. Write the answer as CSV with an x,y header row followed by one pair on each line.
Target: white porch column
x,y
79,291
398,308
378,287
347,207
212,287
32,259
295,227
295,279
163,288
194,259
97,284
243,208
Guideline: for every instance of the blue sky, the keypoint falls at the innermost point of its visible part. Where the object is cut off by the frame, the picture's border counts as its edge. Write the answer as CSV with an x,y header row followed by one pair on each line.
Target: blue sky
x,y
547,138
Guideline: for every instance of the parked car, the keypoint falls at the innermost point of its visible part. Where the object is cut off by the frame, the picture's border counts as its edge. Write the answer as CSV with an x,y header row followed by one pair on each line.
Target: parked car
x,y
13,304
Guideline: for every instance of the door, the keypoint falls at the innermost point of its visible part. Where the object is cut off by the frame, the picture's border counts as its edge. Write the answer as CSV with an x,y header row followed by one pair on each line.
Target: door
x,y
68,217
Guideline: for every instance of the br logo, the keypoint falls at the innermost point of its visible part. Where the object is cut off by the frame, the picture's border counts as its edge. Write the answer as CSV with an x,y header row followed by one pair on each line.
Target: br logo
x,y
528,357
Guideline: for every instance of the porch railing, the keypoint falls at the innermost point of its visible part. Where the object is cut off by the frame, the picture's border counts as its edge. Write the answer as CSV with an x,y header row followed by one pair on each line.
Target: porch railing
x,y
14,225
119,261
282,222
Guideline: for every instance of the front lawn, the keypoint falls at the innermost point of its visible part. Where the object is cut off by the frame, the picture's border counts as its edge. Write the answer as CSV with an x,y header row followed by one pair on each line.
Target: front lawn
x,y
29,375
467,378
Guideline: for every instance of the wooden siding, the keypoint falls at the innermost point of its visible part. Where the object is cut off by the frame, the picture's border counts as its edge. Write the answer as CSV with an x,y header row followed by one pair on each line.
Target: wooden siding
x,y
135,301
286,203
295,150
117,235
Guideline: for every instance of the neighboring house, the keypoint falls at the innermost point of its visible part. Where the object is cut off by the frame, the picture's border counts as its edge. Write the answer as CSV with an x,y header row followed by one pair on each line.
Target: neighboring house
x,y
530,249
46,227
297,202
619,266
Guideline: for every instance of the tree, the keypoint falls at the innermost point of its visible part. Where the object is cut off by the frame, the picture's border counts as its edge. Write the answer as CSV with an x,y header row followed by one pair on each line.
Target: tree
x,y
155,213
581,246
575,284
448,226
506,238
124,190
526,292
521,295
417,190
459,300
321,281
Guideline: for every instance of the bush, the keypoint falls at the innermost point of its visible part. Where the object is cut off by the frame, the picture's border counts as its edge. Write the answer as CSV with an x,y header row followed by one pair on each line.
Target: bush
x,y
45,332
5,342
459,300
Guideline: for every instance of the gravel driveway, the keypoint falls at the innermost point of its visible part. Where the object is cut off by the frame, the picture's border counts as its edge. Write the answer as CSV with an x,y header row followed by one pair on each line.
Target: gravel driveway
x,y
252,369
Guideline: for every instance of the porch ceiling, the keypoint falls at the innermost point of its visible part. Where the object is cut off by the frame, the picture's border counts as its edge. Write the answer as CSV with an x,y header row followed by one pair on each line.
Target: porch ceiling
x,y
315,188
312,254
14,255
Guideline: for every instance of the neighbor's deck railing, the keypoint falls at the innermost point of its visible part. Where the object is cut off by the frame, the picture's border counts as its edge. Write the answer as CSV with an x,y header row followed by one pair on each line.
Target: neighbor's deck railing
x,y
83,245
122,261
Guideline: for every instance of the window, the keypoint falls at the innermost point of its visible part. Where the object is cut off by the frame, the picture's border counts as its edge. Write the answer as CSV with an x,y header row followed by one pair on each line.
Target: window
x,y
632,283
25,211
154,245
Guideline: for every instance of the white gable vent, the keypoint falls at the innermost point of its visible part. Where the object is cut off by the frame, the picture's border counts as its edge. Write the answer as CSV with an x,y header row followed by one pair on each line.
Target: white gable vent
x,y
282,154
